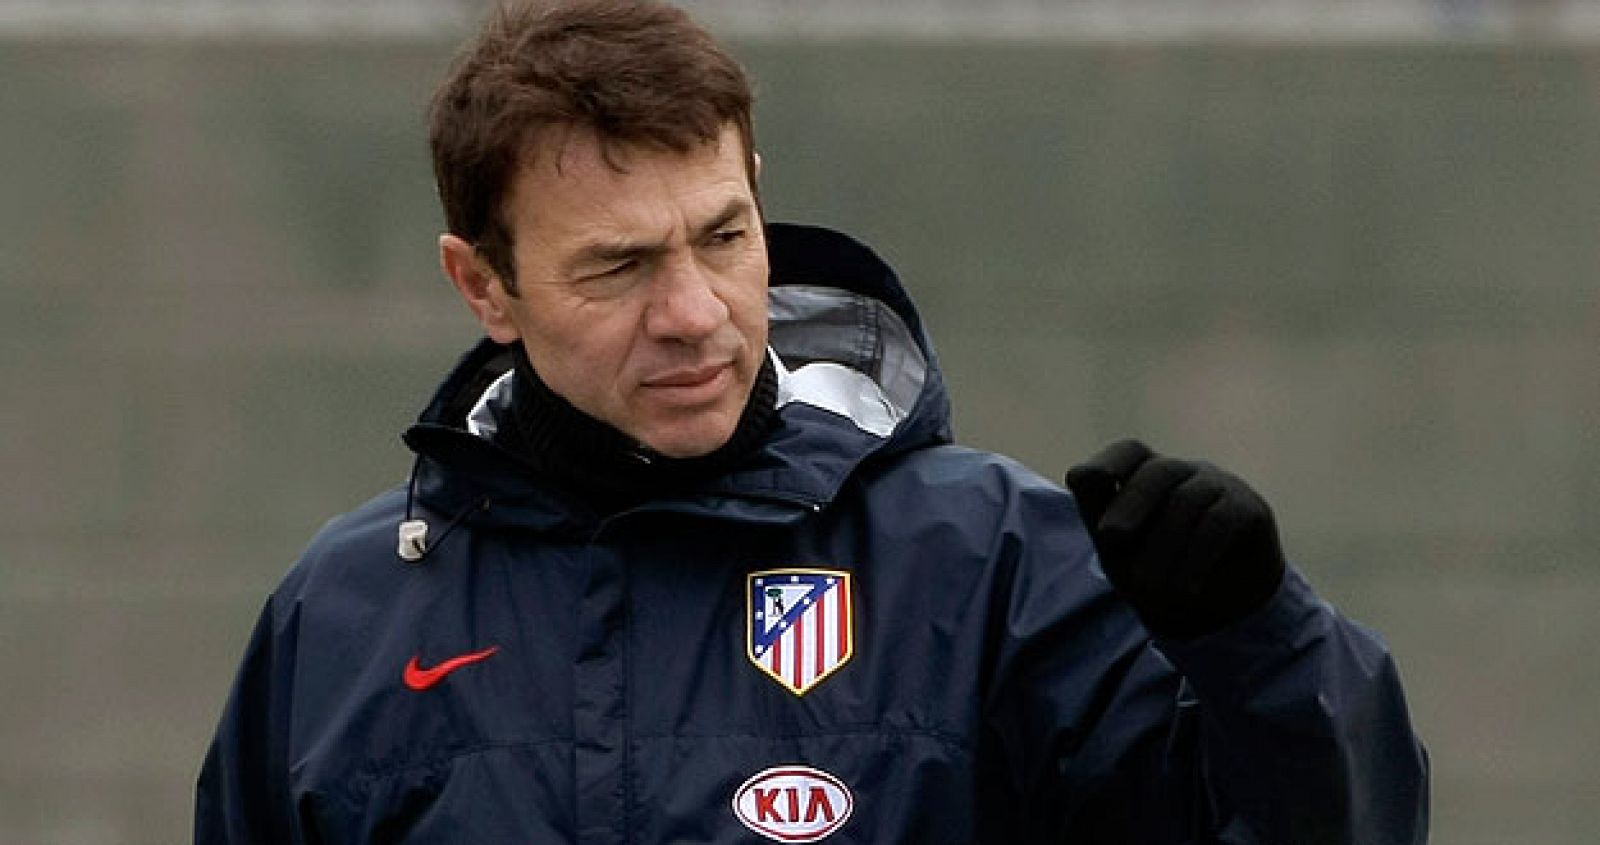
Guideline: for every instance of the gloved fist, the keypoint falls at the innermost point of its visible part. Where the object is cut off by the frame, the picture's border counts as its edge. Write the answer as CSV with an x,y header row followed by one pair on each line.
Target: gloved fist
x,y
1191,547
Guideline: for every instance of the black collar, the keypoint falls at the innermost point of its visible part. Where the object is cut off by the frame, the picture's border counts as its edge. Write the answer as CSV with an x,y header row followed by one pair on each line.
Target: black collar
x,y
607,468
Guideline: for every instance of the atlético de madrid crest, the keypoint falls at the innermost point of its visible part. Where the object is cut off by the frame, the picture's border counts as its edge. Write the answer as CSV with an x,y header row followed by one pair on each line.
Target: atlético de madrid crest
x,y
799,625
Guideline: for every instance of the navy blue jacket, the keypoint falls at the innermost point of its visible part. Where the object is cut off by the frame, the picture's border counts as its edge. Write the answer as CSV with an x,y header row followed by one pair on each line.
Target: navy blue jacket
x,y
863,634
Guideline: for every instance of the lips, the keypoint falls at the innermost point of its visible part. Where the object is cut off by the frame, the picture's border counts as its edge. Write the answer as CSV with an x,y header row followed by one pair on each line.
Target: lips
x,y
693,377
691,387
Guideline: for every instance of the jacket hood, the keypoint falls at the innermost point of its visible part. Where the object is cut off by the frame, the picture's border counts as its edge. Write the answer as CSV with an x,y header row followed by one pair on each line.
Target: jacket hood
x,y
858,381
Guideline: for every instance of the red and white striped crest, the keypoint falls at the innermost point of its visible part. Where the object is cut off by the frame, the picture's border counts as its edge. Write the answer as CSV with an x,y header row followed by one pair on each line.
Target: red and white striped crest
x,y
799,624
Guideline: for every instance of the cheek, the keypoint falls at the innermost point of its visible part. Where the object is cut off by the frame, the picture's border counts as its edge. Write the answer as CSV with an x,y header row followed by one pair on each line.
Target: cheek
x,y
752,322
747,300
584,349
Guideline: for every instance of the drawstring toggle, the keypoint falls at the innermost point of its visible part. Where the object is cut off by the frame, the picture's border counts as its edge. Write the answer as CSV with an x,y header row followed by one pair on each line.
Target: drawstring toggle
x,y
413,540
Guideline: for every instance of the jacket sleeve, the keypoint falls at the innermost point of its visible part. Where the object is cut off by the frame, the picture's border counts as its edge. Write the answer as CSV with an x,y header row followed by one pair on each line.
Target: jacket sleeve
x,y
1302,730
243,794
1288,727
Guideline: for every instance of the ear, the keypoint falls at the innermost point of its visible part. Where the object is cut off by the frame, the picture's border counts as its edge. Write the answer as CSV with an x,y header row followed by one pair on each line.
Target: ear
x,y
757,156
480,286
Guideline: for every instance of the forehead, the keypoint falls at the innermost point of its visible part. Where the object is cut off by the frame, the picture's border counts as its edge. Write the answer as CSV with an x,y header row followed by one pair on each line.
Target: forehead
x,y
572,182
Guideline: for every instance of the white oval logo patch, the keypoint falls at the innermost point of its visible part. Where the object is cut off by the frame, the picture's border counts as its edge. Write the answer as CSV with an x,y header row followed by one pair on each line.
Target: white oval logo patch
x,y
793,804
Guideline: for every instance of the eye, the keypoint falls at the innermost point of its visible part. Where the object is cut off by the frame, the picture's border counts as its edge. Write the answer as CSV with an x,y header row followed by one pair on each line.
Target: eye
x,y
727,237
621,268
611,282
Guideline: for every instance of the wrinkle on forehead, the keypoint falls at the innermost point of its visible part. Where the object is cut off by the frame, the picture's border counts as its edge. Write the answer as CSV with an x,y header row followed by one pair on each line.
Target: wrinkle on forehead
x,y
571,195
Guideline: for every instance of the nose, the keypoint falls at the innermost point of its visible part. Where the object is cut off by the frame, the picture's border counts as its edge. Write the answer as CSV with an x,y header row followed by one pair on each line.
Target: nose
x,y
684,304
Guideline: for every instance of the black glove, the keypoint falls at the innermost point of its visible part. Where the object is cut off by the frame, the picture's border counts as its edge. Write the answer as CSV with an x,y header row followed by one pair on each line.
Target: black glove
x,y
1190,546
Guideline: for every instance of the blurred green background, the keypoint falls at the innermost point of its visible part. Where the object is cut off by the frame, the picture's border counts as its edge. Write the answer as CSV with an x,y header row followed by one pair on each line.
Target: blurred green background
x,y
1362,276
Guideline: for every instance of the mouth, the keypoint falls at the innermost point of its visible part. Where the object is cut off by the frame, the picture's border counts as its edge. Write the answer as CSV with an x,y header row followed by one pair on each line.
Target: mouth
x,y
691,385
689,377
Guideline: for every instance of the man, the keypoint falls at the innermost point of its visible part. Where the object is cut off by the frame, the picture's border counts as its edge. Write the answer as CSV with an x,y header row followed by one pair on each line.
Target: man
x,y
687,555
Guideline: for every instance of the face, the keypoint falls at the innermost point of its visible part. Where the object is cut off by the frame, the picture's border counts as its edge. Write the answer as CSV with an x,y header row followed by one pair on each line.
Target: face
x,y
641,287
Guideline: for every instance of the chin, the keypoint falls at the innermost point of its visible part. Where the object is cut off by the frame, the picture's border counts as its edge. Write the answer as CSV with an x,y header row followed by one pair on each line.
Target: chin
x,y
688,448
691,443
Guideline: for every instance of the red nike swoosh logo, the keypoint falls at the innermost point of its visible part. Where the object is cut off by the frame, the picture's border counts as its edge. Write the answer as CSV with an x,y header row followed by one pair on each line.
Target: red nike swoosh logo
x,y
421,679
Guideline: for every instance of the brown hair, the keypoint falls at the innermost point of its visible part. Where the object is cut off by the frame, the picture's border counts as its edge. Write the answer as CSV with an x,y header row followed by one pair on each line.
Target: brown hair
x,y
637,72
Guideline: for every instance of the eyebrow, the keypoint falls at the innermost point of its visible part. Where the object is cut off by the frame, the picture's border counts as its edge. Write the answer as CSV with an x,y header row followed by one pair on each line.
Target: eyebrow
x,y
609,251
731,211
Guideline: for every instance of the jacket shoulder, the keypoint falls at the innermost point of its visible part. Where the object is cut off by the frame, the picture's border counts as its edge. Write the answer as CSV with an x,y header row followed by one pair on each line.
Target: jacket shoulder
x,y
353,549
962,469
983,497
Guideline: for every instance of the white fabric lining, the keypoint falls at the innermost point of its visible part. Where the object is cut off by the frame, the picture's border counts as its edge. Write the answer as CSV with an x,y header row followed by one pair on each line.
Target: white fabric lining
x,y
840,390
484,418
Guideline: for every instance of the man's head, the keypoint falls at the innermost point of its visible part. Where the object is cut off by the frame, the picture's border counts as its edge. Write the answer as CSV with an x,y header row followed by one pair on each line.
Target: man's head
x,y
595,162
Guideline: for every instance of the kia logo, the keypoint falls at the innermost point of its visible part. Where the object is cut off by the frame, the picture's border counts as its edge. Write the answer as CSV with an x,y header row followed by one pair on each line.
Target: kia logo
x,y
793,804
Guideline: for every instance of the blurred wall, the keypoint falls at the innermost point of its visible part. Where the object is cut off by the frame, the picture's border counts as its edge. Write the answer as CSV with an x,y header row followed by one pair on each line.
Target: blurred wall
x,y
1364,277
